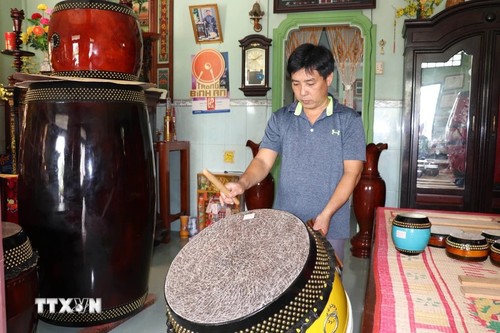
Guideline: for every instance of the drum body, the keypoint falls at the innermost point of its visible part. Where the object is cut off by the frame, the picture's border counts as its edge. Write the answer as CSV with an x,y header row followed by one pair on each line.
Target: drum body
x,y
258,271
95,39
21,280
87,191
467,246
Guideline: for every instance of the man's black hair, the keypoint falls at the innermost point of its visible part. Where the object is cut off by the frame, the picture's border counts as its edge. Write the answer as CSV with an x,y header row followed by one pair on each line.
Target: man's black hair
x,y
311,57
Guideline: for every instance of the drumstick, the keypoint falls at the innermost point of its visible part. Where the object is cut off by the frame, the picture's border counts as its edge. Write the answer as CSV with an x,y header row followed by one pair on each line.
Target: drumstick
x,y
218,184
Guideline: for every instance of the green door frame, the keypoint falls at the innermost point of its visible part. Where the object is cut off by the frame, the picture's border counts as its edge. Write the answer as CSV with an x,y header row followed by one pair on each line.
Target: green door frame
x,y
352,18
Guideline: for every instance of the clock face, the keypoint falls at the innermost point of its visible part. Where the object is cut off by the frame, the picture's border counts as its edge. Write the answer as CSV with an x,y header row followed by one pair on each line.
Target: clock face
x,y
255,59
255,66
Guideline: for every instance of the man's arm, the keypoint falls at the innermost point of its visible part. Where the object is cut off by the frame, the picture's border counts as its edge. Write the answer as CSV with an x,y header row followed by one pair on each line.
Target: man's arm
x,y
256,171
349,180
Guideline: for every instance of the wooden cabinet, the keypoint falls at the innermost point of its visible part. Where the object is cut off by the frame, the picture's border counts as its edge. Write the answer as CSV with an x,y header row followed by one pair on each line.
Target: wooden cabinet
x,y
208,194
451,146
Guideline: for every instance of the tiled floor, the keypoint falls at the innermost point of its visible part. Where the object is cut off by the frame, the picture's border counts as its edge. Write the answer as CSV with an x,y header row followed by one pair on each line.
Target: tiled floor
x,y
152,319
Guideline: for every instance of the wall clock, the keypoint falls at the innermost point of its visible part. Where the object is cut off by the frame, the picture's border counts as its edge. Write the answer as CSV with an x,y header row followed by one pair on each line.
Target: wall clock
x,y
255,65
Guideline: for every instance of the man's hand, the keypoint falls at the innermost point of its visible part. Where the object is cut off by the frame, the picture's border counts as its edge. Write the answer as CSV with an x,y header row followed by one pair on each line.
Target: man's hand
x,y
235,189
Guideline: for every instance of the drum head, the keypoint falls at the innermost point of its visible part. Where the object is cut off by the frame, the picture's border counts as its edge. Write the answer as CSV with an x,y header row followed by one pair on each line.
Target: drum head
x,y
243,269
241,258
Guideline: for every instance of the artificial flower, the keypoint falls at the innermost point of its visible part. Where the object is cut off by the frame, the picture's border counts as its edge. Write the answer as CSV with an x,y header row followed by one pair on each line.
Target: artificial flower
x,y
36,35
4,93
418,8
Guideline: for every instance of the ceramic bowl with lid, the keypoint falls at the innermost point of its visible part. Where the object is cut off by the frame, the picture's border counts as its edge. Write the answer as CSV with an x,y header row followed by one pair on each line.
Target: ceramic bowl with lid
x,y
411,232
467,246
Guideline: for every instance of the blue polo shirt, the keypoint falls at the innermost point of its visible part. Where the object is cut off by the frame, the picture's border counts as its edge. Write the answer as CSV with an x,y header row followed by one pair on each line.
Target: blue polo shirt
x,y
312,159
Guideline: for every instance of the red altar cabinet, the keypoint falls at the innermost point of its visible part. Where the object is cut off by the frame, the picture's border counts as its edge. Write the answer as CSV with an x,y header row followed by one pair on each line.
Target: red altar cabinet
x,y
425,292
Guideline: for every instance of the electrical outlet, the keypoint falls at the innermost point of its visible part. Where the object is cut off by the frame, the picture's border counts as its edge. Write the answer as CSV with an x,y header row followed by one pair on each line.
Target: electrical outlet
x,y
379,67
229,156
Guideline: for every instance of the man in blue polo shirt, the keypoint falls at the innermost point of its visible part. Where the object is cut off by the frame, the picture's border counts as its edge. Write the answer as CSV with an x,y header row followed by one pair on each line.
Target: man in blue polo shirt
x,y
322,147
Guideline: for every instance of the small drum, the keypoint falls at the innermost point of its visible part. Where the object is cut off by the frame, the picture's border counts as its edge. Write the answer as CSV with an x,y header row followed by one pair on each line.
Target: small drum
x,y
495,253
80,47
467,246
21,279
439,234
491,235
262,270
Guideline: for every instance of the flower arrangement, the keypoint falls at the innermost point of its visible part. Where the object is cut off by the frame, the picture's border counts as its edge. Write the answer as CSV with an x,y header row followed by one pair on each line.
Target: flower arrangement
x,y
418,8
36,35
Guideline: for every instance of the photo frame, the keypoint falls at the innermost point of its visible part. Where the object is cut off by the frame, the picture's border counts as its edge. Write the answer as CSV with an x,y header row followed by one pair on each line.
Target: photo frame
x,y
205,20
289,6
453,82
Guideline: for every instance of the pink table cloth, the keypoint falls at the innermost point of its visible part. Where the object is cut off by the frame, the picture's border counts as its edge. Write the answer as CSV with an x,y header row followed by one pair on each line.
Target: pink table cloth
x,y
422,293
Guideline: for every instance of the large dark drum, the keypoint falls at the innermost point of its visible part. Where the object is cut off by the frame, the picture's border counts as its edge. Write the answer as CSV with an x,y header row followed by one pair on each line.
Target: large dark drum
x,y
21,279
87,195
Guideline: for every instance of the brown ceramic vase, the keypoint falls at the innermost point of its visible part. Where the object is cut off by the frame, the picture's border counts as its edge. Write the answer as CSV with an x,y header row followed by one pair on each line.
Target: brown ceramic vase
x,y
260,195
367,196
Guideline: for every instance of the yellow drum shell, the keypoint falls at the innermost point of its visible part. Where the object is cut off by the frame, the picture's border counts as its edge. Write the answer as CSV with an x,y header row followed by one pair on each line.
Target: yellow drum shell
x,y
335,317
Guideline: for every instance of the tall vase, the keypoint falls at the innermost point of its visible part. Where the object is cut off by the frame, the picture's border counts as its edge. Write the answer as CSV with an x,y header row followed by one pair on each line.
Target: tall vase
x,y
260,195
367,196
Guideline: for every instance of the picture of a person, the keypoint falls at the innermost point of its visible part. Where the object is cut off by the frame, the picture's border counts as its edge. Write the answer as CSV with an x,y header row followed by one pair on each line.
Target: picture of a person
x,y
210,24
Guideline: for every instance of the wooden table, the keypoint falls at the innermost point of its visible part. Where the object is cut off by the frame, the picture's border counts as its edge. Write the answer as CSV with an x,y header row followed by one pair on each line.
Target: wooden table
x,y
164,148
422,293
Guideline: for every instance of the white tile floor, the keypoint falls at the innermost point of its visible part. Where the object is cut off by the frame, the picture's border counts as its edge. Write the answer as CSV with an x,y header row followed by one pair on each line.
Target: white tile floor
x,y
152,319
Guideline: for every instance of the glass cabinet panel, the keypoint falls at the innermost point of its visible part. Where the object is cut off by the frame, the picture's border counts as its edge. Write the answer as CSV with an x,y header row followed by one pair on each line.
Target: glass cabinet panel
x,y
443,122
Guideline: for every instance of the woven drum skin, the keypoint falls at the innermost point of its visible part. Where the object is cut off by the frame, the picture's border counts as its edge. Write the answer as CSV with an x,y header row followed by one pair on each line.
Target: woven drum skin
x,y
87,188
95,39
256,271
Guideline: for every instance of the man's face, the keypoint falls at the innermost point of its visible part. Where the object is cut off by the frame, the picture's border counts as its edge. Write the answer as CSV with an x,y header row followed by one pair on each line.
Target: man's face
x,y
310,88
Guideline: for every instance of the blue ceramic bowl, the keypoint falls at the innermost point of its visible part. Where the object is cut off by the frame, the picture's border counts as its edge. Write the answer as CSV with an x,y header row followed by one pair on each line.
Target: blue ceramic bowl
x,y
411,233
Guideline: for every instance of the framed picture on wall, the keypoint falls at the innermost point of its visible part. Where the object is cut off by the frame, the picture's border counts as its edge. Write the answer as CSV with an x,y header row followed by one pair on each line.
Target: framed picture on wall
x,y
287,6
206,23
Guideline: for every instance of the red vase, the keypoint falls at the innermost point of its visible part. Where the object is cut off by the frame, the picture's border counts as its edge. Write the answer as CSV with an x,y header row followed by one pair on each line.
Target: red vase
x,y
367,196
260,195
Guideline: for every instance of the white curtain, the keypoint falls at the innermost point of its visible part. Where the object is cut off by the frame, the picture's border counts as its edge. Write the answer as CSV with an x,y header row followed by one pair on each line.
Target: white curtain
x,y
347,47
301,36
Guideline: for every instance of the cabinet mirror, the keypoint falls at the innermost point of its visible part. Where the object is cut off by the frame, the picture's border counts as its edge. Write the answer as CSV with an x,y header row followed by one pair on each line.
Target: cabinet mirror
x,y
443,122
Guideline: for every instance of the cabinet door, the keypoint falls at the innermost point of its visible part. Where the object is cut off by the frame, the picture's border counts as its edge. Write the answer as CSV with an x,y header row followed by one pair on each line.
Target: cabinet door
x,y
443,124
451,157
490,186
